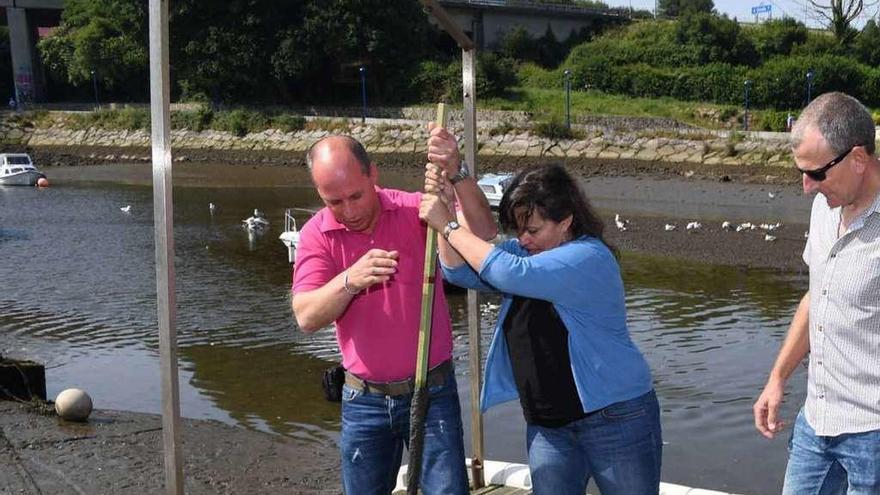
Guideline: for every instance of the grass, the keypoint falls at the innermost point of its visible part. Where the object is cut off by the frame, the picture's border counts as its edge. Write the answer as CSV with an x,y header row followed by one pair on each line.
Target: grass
x,y
549,104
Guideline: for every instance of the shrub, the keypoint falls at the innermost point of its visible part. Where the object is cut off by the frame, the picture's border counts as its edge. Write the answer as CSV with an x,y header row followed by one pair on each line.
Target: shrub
x,y
553,129
240,122
288,122
196,120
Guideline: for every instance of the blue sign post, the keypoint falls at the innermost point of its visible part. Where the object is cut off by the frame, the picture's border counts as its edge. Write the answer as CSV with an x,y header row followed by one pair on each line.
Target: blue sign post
x,y
761,9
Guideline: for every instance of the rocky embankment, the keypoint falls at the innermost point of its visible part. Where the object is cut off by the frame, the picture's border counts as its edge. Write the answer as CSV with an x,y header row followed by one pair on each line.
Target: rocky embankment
x,y
506,141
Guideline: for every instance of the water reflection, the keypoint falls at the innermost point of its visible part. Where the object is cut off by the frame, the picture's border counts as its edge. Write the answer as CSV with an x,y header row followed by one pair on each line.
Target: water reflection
x,y
78,293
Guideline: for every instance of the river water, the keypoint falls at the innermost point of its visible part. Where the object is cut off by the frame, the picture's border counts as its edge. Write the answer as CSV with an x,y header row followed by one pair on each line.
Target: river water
x,y
77,292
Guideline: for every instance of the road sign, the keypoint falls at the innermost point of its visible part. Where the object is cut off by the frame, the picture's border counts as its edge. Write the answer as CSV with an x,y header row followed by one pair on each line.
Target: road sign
x,y
761,9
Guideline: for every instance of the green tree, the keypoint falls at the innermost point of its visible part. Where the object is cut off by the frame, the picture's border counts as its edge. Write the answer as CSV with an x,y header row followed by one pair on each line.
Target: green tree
x,y
222,49
867,44
324,51
676,8
105,36
718,38
777,37
6,88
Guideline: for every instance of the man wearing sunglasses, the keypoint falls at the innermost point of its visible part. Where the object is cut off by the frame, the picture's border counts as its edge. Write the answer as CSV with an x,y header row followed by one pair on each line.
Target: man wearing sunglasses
x,y
835,444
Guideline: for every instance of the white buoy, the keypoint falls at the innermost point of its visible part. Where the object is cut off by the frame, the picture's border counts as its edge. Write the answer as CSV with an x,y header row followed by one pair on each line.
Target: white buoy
x,y
73,404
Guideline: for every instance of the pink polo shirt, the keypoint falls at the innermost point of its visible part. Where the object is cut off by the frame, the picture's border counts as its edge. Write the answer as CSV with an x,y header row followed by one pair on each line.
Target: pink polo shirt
x,y
379,331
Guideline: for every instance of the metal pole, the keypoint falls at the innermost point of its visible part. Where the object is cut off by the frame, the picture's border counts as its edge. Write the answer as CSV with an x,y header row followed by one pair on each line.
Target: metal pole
x,y
809,86
748,85
160,117
567,98
469,86
363,71
95,87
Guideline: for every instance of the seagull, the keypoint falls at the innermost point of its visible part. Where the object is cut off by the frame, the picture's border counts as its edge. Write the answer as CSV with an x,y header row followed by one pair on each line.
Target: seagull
x,y
125,209
806,234
770,227
745,226
212,208
694,226
621,224
769,238
669,227
727,226
256,222
771,195
689,173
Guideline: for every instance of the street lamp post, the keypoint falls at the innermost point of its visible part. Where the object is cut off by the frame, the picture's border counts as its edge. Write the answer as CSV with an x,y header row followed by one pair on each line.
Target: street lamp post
x,y
95,87
567,74
747,86
810,76
363,71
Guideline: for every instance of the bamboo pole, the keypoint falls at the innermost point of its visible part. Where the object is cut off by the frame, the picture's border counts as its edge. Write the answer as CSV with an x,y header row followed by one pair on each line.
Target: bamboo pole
x,y
420,400
164,234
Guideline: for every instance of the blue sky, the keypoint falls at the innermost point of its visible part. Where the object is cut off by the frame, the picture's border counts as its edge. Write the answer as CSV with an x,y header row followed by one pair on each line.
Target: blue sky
x,y
741,9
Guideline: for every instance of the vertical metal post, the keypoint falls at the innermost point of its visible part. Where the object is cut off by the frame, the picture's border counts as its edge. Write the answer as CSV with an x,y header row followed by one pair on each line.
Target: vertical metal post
x,y
469,86
747,86
95,87
567,74
809,86
363,71
164,234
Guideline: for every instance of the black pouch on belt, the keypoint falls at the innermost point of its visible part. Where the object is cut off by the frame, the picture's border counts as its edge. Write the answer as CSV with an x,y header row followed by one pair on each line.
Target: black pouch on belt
x,y
332,382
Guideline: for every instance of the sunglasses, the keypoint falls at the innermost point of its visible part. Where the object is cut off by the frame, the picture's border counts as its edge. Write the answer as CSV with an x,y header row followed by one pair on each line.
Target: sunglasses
x,y
821,174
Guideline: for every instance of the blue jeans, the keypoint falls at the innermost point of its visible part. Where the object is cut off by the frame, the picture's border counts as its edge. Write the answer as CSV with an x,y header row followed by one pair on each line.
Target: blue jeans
x,y
375,429
619,446
828,465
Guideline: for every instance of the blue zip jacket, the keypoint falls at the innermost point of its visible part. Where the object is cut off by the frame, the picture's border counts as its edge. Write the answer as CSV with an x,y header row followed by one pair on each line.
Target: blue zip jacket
x,y
582,280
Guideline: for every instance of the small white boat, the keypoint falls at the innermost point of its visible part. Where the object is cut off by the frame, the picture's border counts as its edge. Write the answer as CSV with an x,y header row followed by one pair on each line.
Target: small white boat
x,y
17,169
290,236
493,186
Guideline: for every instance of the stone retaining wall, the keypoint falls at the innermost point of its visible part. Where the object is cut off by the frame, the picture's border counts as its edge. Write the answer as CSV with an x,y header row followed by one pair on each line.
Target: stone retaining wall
x,y
600,139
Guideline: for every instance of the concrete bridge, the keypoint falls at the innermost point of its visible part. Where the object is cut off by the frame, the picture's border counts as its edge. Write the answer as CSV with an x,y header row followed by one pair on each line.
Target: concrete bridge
x,y
24,17
486,21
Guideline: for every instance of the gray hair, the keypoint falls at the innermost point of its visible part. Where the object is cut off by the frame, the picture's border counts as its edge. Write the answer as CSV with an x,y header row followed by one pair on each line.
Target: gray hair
x,y
352,145
842,121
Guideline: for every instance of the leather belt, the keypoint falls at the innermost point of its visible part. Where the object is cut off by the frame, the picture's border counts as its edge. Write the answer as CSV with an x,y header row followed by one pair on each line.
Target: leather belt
x,y
436,376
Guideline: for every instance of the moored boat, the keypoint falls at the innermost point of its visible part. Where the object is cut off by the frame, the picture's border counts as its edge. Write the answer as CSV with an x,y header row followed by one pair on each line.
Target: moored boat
x,y
17,169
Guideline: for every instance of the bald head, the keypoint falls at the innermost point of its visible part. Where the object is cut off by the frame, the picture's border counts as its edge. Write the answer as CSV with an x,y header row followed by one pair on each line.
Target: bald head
x,y
346,181
336,145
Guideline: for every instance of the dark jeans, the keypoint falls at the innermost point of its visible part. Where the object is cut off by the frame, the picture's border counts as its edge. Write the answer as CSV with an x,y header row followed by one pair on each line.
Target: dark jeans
x,y
619,446
375,429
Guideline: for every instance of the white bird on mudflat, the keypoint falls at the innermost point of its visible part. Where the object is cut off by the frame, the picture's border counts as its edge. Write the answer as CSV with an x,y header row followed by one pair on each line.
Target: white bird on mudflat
x,y
769,238
745,226
125,209
212,208
770,227
694,226
621,223
771,195
806,234
669,227
727,225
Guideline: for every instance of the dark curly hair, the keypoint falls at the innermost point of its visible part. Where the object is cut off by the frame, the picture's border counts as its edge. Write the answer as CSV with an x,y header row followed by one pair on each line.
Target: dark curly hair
x,y
552,191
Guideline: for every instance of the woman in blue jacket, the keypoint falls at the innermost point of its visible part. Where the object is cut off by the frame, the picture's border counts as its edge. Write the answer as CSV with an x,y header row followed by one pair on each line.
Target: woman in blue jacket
x,y
561,345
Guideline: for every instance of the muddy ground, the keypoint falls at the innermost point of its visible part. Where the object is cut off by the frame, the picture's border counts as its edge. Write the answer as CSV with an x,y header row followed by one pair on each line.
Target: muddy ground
x,y
119,452
85,155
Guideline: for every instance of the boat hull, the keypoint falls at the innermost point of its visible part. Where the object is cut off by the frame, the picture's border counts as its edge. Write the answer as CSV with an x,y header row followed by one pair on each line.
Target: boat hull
x,y
27,178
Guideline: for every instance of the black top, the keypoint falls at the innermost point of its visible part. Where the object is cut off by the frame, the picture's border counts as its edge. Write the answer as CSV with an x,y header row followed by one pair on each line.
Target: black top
x,y
537,341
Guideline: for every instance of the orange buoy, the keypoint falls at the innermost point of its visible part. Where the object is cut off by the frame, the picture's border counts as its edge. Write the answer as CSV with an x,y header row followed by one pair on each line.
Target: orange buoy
x,y
42,182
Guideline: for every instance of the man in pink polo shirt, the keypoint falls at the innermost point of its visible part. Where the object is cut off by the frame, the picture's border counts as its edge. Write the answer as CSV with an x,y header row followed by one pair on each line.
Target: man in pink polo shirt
x,y
360,264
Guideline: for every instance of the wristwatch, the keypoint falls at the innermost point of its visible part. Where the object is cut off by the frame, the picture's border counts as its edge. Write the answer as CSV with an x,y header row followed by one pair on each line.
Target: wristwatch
x,y
452,225
463,173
